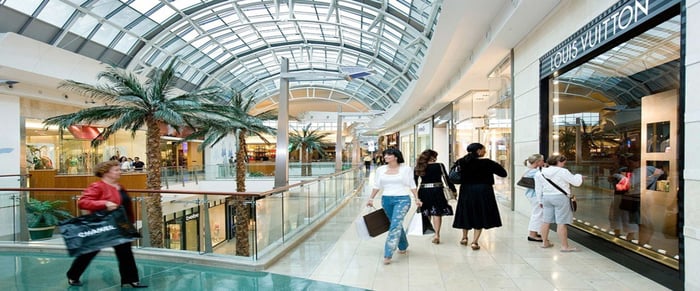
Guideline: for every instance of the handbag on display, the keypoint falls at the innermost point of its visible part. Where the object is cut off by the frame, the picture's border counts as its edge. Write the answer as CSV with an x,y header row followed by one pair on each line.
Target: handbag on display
x,y
624,183
377,222
630,203
101,229
572,199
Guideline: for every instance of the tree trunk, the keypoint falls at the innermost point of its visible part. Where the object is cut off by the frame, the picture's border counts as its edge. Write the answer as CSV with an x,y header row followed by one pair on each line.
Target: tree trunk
x,y
153,203
305,171
242,215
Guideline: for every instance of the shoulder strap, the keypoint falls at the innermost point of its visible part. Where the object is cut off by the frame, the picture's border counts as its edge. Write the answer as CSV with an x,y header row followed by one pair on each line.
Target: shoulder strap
x,y
555,185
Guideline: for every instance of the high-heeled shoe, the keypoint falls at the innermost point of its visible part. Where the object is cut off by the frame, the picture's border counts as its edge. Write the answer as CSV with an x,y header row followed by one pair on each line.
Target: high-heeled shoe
x,y
135,285
74,282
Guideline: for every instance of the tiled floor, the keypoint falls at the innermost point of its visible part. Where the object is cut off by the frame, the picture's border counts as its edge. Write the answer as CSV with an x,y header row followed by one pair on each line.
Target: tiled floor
x,y
506,261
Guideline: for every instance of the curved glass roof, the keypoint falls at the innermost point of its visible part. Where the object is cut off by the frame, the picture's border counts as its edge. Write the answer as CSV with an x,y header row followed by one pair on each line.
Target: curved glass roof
x,y
239,44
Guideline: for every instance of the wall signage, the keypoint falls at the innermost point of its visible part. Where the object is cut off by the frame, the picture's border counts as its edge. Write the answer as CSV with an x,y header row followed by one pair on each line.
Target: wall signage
x,y
618,19
192,217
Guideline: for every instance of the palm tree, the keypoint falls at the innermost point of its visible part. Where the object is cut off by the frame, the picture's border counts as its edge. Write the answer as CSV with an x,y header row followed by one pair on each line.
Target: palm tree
x,y
306,142
245,126
131,105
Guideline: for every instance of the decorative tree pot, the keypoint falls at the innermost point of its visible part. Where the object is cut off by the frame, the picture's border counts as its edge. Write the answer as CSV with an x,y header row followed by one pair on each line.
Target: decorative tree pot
x,y
38,233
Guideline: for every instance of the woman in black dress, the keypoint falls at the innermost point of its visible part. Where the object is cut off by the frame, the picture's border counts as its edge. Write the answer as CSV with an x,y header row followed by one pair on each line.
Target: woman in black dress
x,y
431,191
477,207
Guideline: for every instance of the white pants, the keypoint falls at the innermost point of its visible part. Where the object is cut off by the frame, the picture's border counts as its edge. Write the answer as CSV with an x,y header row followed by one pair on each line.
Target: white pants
x,y
536,216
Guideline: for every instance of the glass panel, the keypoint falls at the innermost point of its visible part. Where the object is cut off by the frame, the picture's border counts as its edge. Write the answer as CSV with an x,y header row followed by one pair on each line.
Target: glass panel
x,y
615,130
84,25
56,13
25,6
105,34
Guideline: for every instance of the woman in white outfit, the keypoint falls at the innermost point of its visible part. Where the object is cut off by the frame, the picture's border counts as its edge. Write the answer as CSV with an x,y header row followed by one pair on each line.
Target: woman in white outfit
x,y
534,163
555,205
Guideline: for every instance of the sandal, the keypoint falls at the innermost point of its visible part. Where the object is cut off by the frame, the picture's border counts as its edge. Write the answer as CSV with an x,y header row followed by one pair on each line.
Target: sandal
x,y
464,241
403,252
475,246
436,240
387,261
547,245
569,250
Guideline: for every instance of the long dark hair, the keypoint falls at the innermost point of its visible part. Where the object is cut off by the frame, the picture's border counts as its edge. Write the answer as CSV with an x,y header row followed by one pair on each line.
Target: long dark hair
x,y
472,152
422,163
394,152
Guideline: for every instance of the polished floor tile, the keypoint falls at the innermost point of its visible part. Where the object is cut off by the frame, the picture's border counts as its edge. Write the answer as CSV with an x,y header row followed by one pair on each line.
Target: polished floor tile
x,y
506,260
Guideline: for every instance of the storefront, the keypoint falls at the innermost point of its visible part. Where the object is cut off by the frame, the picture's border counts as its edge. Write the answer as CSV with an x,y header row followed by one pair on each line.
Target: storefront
x,y
184,229
486,117
610,98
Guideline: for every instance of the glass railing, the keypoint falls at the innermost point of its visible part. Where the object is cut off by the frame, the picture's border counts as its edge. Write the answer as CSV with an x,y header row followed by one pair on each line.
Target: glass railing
x,y
267,169
246,226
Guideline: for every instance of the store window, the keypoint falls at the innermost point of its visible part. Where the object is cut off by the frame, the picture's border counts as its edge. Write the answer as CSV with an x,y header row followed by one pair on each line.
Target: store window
x,y
424,136
486,117
407,149
615,117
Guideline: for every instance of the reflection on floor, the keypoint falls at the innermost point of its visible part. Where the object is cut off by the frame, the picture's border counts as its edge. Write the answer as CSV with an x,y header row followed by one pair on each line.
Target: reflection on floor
x,y
506,260
26,271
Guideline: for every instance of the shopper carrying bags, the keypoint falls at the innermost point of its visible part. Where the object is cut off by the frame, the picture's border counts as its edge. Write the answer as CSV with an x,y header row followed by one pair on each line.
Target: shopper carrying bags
x,y
396,181
107,194
430,174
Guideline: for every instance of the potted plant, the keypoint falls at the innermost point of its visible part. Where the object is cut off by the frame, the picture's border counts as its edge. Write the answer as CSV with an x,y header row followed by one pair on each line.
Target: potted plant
x,y
43,216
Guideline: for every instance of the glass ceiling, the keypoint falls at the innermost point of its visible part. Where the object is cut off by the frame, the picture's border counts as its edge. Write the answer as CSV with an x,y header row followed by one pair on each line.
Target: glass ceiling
x,y
239,44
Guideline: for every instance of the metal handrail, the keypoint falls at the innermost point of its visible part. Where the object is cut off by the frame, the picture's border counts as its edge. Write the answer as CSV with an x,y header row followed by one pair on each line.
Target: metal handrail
x,y
268,250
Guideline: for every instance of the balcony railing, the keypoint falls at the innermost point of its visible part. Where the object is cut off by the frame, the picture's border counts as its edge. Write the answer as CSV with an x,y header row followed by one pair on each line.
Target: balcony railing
x,y
202,222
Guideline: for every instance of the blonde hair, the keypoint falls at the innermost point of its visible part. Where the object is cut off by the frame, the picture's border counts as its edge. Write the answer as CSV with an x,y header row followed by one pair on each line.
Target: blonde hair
x,y
103,167
533,159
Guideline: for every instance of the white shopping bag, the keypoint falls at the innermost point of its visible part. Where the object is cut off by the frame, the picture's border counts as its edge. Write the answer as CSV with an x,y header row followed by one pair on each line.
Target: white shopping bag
x,y
416,225
362,231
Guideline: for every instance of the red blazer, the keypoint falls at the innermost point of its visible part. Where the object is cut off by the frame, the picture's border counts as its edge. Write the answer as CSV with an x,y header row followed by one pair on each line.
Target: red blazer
x,y
97,194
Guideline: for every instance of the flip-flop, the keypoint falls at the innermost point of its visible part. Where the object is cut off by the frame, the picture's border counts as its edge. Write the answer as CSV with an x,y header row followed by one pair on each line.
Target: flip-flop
x,y
569,250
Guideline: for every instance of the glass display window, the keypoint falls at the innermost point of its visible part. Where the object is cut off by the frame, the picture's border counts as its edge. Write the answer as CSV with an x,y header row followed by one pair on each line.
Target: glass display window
x,y
612,117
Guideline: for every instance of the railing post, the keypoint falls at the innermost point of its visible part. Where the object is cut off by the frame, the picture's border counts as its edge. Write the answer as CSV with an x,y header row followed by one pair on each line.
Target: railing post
x,y
145,232
207,226
23,226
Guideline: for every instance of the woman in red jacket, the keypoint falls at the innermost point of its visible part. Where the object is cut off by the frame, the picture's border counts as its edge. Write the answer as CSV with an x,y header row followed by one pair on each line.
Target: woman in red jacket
x,y
107,194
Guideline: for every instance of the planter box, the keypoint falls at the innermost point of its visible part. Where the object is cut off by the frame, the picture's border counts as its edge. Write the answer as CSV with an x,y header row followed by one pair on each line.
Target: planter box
x,y
38,233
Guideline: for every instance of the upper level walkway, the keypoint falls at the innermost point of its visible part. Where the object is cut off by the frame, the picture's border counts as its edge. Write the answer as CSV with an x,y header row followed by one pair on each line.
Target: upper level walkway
x,y
334,258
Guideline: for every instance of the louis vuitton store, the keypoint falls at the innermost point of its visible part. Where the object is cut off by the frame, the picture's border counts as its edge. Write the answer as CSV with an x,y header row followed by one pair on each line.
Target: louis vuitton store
x,y
611,101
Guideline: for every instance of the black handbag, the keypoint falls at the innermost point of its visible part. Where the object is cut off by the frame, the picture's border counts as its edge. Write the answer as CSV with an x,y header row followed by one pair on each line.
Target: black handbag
x,y
455,175
377,222
92,232
630,203
527,182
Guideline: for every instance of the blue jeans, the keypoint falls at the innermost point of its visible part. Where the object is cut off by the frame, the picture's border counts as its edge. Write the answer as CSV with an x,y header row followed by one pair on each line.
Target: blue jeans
x,y
396,208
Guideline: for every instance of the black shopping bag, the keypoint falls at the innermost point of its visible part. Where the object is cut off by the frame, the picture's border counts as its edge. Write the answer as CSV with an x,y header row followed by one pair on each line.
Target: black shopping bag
x,y
377,222
92,232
